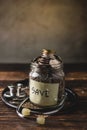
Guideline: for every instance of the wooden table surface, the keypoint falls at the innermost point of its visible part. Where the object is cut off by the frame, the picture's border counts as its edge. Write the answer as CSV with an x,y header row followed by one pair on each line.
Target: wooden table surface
x,y
75,120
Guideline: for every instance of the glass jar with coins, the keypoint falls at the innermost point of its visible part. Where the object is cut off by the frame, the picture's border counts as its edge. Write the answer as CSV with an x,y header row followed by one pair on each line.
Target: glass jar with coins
x,y
46,79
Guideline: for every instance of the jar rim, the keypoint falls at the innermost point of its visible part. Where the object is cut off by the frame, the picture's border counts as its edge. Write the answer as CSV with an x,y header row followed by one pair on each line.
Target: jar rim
x,y
58,66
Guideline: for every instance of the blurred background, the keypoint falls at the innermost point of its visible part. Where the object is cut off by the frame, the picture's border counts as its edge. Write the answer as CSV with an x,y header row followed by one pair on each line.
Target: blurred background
x,y
28,26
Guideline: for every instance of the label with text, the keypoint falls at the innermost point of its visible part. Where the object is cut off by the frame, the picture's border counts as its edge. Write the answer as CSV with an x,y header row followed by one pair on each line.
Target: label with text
x,y
43,94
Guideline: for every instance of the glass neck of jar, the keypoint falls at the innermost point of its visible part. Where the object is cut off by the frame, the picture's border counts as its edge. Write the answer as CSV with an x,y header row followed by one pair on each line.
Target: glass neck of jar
x,y
36,66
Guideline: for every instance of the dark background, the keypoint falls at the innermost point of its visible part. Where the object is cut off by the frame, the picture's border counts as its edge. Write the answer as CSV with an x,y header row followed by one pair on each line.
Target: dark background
x,y
28,26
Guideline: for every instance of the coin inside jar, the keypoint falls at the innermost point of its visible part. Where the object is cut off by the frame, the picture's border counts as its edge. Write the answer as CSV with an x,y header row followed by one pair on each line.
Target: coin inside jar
x,y
46,79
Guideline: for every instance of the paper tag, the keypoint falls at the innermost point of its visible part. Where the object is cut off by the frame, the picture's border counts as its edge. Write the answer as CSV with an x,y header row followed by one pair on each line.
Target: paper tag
x,y
43,94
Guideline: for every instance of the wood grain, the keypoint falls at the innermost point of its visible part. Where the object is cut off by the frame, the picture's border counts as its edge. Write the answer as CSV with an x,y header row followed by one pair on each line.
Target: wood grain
x,y
75,120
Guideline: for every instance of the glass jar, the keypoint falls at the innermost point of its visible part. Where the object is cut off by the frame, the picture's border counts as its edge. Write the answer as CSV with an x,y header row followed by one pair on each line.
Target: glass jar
x,y
46,80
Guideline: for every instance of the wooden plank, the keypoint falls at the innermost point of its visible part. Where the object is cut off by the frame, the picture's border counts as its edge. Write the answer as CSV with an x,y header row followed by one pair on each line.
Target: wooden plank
x,y
74,120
